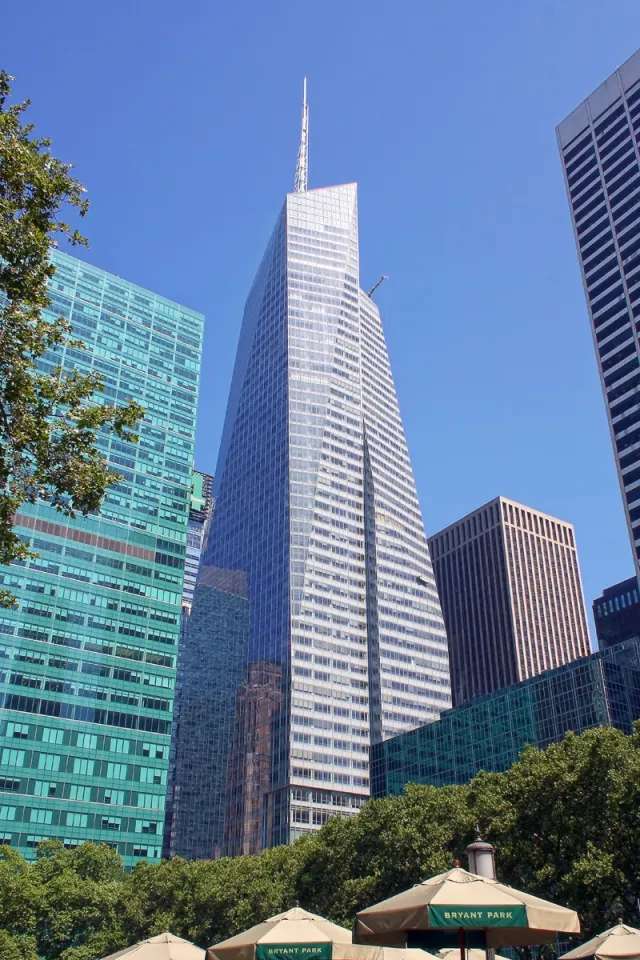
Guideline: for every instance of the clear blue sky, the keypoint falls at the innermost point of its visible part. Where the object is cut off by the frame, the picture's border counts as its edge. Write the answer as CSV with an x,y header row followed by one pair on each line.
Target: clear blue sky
x,y
183,118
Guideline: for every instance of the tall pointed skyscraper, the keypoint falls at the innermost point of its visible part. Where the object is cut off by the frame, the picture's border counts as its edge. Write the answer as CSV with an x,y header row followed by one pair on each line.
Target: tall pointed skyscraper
x,y
316,504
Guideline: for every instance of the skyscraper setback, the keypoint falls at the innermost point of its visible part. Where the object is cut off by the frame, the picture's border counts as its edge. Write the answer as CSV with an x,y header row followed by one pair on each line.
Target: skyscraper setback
x,y
599,149
316,503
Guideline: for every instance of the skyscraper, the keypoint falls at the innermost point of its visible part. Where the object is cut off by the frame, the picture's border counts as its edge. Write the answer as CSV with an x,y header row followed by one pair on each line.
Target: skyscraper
x,y
617,613
601,160
316,503
511,594
200,511
88,658
215,651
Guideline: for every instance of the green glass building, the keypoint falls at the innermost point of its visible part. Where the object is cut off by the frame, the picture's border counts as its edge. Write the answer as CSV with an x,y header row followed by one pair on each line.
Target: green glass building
x,y
490,731
88,657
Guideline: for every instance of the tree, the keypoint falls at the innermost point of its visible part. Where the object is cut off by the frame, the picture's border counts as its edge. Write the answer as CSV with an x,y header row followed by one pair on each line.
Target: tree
x,y
566,824
81,901
48,423
391,844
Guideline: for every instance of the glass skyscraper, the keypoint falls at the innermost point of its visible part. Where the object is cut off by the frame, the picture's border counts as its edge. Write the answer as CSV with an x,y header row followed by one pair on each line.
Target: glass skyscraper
x,y
316,504
490,732
88,657
200,511
601,160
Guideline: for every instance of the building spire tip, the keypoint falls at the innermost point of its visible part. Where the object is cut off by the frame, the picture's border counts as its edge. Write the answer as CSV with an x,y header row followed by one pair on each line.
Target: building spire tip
x,y
301,182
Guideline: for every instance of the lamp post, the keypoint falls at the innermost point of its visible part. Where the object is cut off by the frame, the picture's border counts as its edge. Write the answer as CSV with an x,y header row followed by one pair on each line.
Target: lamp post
x,y
482,861
480,855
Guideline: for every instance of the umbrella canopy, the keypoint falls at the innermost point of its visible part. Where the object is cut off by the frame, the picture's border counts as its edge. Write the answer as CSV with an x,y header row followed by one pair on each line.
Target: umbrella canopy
x,y
454,954
619,941
294,935
163,947
299,935
458,900
361,951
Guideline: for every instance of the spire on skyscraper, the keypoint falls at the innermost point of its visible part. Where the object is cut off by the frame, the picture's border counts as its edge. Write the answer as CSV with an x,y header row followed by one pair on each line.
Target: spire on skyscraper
x,y
301,182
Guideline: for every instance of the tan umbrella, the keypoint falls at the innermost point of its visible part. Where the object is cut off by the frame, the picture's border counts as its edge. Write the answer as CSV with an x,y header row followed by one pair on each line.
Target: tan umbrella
x,y
458,900
163,947
361,951
473,954
287,936
619,941
299,935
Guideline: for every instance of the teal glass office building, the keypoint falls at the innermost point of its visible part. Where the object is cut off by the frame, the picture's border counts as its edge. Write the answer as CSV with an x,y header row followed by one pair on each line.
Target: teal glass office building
x,y
490,731
88,656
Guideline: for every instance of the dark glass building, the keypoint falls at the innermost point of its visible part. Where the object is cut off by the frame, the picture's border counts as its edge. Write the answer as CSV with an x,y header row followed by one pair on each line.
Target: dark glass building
x,y
200,512
617,613
489,732
215,651
601,160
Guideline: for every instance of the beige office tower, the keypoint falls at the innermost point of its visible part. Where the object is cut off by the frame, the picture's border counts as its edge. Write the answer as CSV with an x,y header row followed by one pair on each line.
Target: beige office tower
x,y
509,584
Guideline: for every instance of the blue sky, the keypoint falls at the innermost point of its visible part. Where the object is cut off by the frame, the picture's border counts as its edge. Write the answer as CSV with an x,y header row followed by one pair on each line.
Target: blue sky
x,y
183,121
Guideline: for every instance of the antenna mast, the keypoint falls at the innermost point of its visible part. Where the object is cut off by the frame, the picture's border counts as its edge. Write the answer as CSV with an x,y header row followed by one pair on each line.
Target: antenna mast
x,y
301,182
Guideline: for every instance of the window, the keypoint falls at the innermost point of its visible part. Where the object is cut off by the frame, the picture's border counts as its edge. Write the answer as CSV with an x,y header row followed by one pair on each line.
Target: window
x,y
114,796
111,823
48,761
7,784
18,730
41,816
83,766
151,775
87,740
117,771
8,813
76,819
49,735
118,746
79,793
146,826
12,758
45,789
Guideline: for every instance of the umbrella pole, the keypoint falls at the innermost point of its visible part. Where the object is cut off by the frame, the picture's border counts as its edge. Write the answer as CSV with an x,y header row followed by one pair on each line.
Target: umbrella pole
x,y
461,942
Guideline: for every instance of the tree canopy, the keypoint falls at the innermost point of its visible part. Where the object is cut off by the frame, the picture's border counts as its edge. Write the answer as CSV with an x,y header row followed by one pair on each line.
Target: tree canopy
x,y
565,823
48,422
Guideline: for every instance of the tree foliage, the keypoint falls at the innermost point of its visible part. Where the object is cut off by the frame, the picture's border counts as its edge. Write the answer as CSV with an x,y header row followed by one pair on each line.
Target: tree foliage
x,y
565,822
48,422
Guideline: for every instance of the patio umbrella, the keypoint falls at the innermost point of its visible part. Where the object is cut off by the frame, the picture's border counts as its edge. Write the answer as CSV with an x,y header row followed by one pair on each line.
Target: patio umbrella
x,y
619,941
163,947
458,900
473,954
299,935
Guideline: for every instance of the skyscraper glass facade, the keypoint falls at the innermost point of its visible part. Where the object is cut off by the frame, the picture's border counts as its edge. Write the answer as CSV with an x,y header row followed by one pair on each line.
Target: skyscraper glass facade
x,y
489,732
200,510
88,657
316,503
215,648
601,160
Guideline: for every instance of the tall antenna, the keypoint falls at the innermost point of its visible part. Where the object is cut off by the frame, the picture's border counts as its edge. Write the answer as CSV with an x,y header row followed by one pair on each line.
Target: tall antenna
x,y
301,182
